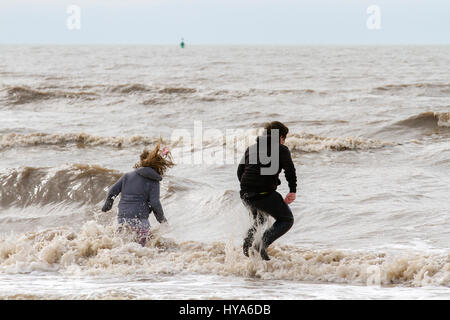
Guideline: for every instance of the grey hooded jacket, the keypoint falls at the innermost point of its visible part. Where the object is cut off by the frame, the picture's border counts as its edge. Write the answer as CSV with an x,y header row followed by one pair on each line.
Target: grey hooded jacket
x,y
140,195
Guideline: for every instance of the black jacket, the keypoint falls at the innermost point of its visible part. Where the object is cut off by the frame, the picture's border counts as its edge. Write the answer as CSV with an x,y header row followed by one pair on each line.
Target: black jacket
x,y
250,176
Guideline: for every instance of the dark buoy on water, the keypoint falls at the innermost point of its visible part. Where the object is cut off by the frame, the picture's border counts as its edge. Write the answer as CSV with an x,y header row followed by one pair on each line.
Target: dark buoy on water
x,y
182,43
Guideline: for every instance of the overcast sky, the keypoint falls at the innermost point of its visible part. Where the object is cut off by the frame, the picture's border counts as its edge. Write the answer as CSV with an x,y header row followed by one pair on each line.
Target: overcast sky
x,y
226,22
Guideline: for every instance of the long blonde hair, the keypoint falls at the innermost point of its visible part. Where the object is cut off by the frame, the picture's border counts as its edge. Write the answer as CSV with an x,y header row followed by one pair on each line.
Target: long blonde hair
x,y
155,160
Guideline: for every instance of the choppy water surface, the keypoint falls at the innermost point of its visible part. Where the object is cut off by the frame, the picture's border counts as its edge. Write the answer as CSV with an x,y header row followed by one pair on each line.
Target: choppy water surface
x,y
369,134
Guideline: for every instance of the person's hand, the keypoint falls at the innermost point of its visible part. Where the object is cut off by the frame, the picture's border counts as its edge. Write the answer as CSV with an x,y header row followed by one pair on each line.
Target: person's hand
x,y
106,207
290,197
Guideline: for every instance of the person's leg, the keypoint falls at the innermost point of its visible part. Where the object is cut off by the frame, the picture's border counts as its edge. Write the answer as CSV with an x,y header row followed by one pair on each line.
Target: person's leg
x,y
142,229
142,236
258,220
284,220
274,206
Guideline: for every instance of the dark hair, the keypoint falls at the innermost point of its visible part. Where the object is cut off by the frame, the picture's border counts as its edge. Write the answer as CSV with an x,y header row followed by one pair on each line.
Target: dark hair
x,y
277,125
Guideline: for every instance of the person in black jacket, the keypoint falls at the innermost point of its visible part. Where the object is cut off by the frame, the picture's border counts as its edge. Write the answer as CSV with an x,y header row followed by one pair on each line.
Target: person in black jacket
x,y
258,174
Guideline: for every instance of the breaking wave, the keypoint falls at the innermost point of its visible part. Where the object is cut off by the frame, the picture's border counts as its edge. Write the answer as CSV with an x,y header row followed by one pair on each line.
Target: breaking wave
x,y
98,249
306,142
77,183
427,120
22,95
12,140
297,142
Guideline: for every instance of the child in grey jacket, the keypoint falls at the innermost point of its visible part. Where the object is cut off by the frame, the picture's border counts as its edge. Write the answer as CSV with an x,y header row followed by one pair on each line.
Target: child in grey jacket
x,y
140,192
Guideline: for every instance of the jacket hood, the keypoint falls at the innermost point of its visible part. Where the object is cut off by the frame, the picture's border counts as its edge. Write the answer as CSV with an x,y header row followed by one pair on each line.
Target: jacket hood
x,y
148,173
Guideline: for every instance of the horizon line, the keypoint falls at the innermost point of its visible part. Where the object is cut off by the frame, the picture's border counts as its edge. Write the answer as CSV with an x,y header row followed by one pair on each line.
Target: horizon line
x,y
218,44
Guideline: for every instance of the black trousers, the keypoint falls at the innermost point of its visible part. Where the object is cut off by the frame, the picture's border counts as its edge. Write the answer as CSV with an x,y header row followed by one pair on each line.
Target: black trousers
x,y
260,207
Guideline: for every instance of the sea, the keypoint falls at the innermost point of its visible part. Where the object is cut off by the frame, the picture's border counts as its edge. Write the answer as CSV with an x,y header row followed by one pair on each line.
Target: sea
x,y
369,134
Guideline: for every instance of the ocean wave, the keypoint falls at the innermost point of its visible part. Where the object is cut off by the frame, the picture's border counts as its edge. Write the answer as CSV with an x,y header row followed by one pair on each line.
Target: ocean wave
x,y
153,94
18,95
130,88
155,101
177,90
297,142
306,142
294,92
77,183
11,140
422,88
98,249
427,120
136,87
22,95
81,184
